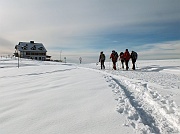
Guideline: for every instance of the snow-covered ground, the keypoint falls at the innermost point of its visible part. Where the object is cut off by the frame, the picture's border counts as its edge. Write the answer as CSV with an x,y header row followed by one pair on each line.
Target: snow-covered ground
x,y
58,98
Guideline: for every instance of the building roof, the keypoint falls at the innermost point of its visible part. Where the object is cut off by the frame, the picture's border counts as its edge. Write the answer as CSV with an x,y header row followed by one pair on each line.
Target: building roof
x,y
31,46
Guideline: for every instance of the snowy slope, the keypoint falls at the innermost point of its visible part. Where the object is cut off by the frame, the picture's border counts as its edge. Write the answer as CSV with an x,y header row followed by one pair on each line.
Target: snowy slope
x,y
48,97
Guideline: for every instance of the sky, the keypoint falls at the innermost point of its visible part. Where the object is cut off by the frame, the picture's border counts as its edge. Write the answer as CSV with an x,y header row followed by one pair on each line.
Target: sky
x,y
84,28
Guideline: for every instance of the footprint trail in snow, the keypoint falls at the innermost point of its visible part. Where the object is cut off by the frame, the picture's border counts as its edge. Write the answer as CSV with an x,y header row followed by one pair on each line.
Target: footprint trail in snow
x,y
146,110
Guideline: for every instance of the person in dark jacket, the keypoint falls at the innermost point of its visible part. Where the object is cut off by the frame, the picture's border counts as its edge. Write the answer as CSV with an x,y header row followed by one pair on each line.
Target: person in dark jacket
x,y
80,60
102,58
127,56
121,58
114,57
134,56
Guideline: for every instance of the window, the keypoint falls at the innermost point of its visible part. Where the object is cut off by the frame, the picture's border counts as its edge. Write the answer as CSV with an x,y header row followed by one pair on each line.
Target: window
x,y
27,53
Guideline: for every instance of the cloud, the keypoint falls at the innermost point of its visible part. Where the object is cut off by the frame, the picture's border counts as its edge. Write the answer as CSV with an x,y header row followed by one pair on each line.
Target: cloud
x,y
83,16
164,50
90,26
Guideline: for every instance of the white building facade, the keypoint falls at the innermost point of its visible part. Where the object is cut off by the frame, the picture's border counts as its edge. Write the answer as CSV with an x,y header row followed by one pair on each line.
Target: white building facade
x,y
31,50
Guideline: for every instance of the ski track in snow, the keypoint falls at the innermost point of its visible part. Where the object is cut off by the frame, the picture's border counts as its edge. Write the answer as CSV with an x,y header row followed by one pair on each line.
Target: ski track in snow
x,y
147,111
28,74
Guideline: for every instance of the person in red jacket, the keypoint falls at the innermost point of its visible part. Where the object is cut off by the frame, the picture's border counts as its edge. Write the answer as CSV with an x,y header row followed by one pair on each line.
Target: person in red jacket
x,y
114,57
127,56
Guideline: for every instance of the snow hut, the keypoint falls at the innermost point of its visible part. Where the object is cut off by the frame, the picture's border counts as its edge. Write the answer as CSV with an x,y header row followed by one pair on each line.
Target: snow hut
x,y
31,50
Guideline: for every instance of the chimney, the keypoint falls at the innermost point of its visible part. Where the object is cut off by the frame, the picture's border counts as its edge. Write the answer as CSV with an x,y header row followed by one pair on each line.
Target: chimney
x,y
32,42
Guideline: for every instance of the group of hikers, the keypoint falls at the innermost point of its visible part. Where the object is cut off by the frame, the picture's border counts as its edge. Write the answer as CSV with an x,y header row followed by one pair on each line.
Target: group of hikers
x,y
124,57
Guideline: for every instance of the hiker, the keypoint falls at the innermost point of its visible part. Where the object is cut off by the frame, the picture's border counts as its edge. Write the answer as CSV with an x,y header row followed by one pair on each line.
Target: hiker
x,y
80,60
102,58
121,58
114,57
127,56
134,56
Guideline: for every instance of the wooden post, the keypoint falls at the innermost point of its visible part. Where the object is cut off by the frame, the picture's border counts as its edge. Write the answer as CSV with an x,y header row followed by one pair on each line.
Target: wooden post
x,y
18,59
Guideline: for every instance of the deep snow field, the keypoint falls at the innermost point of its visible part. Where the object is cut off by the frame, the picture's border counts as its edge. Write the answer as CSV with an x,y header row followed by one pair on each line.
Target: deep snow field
x,y
57,98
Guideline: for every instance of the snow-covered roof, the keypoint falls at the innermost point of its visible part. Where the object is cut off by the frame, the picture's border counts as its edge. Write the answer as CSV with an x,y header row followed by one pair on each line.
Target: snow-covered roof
x,y
31,46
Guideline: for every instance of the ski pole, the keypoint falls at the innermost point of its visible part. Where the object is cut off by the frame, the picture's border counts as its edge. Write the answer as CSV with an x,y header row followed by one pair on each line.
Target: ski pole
x,y
117,66
109,64
136,65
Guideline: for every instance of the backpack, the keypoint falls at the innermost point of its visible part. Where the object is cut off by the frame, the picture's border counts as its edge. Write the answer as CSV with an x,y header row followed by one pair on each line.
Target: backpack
x,y
116,55
121,56
134,55
121,53
102,57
